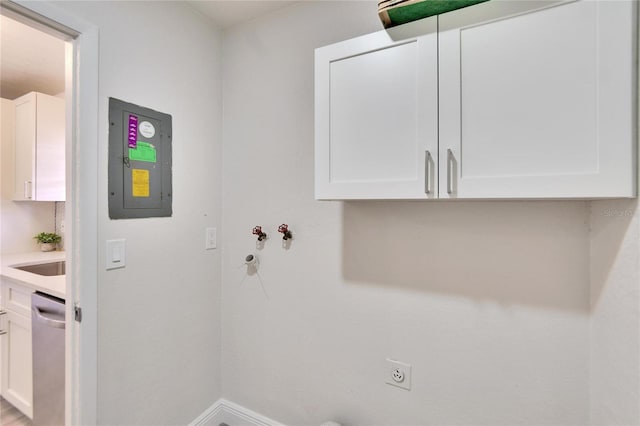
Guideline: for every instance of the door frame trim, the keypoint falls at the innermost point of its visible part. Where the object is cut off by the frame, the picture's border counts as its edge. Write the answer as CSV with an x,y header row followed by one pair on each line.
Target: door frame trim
x,y
82,188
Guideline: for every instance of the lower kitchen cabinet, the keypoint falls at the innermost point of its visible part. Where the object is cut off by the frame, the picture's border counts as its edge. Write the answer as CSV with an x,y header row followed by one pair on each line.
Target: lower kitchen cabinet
x,y
3,334
17,370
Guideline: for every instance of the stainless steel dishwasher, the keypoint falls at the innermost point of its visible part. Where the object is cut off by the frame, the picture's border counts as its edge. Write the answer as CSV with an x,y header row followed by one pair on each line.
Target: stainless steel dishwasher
x,y
48,343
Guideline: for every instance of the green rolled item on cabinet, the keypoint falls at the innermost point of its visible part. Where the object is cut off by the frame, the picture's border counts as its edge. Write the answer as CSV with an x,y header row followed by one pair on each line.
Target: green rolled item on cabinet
x,y
396,12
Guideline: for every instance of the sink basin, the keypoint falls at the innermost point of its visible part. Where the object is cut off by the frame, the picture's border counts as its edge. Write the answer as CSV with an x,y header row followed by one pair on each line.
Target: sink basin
x,y
47,269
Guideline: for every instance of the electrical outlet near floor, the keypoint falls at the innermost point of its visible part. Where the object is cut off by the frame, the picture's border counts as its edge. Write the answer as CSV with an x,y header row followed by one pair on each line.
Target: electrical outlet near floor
x,y
398,374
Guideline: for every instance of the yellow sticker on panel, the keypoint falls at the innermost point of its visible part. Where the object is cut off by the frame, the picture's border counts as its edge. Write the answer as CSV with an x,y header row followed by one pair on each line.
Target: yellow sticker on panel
x,y
140,182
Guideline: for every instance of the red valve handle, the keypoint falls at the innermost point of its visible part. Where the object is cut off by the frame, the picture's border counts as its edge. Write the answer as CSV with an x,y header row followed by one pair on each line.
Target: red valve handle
x,y
284,229
258,231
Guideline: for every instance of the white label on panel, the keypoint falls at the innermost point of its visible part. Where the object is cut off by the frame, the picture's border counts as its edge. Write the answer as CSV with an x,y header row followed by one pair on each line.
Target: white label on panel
x,y
146,129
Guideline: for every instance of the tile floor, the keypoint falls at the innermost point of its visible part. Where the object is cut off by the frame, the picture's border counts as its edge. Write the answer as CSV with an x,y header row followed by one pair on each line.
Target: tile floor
x,y
10,416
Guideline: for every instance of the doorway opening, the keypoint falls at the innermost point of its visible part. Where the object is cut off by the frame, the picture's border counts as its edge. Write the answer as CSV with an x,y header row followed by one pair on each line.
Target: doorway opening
x,y
51,56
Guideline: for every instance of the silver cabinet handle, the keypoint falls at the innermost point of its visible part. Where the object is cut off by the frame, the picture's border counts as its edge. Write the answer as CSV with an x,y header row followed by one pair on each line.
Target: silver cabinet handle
x,y
449,171
51,322
2,312
427,172
27,189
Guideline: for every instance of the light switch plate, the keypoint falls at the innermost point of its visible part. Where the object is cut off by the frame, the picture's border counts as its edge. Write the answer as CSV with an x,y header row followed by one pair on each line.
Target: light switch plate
x,y
211,237
116,254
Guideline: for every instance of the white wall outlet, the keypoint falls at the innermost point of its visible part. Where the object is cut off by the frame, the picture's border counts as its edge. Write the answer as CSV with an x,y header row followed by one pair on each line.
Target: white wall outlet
x,y
398,374
211,237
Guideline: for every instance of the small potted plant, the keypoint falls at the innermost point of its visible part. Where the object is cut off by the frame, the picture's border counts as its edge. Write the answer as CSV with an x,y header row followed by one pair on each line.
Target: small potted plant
x,y
48,240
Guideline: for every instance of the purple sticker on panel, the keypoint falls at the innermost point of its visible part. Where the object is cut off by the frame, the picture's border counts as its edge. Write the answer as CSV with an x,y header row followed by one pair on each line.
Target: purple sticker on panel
x,y
133,131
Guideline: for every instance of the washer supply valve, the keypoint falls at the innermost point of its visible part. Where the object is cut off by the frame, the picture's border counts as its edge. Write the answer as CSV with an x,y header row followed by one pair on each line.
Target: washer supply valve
x,y
261,234
284,230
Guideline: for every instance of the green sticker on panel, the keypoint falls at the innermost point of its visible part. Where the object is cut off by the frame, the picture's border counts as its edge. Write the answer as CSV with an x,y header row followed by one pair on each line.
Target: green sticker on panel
x,y
143,152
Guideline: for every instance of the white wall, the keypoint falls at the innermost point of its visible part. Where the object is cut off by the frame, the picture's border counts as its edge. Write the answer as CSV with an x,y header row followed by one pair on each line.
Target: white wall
x,y
19,220
489,301
159,318
615,313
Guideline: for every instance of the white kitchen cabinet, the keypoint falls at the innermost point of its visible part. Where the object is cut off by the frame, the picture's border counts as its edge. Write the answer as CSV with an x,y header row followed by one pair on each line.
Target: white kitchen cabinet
x,y
3,334
17,370
39,148
539,104
17,376
376,117
534,100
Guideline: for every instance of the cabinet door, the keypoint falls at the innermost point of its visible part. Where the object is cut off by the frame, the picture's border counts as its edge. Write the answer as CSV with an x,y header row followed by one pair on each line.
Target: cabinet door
x,y
376,117
39,148
3,337
17,368
50,149
25,147
16,298
538,104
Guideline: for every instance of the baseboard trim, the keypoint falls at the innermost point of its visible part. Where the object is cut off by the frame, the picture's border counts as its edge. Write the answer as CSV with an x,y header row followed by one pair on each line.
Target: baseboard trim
x,y
209,416
232,414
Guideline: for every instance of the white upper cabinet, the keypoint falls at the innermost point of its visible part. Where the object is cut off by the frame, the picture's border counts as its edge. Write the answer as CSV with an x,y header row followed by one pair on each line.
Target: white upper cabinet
x,y
39,148
376,117
539,104
528,99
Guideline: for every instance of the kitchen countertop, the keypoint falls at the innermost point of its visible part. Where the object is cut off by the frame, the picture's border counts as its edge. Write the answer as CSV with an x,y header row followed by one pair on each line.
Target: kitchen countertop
x,y
55,285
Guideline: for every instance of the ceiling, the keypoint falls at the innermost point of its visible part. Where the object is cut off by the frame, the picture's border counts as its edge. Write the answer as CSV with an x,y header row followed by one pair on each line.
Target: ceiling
x,y
231,12
31,60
